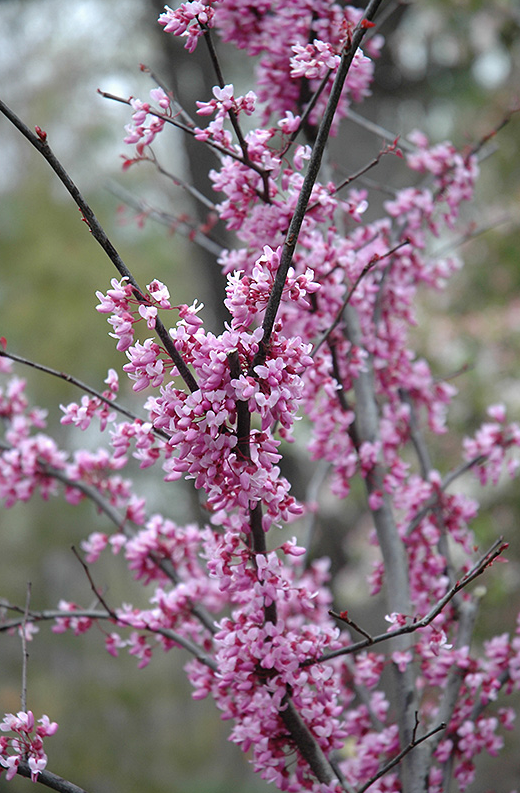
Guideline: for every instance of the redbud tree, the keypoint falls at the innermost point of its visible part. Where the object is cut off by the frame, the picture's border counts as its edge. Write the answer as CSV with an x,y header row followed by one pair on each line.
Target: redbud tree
x,y
318,351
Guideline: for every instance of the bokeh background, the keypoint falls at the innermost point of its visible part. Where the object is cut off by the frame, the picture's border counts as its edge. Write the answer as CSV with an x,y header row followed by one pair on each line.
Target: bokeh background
x,y
449,68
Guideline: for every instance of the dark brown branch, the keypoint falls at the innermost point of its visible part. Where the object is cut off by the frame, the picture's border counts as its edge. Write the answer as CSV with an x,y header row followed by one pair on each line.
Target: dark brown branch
x,y
51,780
397,759
485,561
309,182
343,617
306,743
220,79
111,616
311,104
84,387
40,144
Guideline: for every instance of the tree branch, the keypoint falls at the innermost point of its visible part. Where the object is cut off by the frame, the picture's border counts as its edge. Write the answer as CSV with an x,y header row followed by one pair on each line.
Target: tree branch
x,y
397,759
306,743
120,523
40,144
111,616
309,181
485,561
50,780
84,387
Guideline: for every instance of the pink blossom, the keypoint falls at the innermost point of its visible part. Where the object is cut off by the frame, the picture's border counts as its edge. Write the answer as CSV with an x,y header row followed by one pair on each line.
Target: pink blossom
x,y
26,744
189,20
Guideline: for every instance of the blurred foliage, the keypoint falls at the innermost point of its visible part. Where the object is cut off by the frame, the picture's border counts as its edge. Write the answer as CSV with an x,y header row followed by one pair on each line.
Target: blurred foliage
x,y
450,68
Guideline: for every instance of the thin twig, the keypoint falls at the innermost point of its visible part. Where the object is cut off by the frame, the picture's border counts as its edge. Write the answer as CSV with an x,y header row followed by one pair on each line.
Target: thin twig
x,y
189,230
220,79
25,654
357,175
444,250
450,477
378,130
397,759
93,587
485,561
167,90
84,387
366,269
178,182
111,616
311,104
343,617
476,148
190,131
40,144
121,524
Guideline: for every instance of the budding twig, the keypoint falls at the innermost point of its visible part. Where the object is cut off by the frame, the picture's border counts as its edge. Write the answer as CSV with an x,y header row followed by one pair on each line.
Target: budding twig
x,y
39,141
397,759
484,562
68,378
25,654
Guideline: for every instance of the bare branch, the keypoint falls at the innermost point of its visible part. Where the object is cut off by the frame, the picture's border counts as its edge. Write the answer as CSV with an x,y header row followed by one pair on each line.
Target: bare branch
x,y
193,232
378,130
485,561
84,387
40,144
397,759
49,779
25,654
111,616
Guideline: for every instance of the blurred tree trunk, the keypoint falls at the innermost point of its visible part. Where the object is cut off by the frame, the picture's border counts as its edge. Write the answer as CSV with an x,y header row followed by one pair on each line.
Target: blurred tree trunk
x,y
190,76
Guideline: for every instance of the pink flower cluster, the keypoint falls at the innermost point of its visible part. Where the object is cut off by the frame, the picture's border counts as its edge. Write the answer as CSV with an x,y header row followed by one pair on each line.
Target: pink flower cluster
x,y
25,744
340,355
81,415
223,102
190,20
147,121
280,32
490,445
125,309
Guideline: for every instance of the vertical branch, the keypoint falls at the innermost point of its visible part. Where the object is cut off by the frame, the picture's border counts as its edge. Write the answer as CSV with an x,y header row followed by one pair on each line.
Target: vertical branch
x,y
25,654
220,78
392,549
322,137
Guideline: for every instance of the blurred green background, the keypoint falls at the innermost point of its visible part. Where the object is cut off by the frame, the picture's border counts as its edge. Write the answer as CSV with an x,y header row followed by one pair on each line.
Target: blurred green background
x,y
450,68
